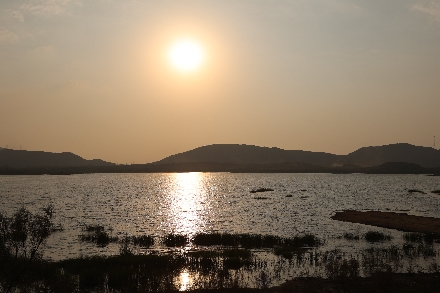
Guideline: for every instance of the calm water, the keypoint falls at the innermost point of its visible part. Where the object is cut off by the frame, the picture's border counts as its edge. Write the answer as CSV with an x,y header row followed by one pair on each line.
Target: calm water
x,y
188,203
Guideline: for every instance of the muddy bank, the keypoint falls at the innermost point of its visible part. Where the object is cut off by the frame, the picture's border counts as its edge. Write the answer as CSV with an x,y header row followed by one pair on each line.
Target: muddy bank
x,y
398,221
381,282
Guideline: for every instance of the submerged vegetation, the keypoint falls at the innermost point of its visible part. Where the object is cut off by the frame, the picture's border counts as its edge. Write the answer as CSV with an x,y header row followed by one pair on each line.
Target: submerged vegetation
x,y
217,269
375,236
98,235
175,240
351,236
254,240
209,261
261,190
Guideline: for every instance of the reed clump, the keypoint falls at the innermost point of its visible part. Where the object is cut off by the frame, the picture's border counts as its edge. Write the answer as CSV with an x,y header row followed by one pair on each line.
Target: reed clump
x,y
254,241
235,259
98,235
351,236
422,238
376,236
175,240
261,190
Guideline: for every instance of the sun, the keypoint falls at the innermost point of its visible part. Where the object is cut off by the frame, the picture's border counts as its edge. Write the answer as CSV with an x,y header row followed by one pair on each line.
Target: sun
x,y
186,55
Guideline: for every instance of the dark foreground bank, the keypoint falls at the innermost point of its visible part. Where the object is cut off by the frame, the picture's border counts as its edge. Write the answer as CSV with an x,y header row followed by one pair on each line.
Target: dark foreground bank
x,y
160,274
382,282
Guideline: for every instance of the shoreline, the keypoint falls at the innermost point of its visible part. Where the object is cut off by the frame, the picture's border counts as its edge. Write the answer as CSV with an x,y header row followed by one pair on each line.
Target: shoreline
x,y
391,220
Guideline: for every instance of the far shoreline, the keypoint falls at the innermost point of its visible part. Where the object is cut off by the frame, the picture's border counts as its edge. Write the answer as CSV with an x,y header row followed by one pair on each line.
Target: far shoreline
x,y
293,168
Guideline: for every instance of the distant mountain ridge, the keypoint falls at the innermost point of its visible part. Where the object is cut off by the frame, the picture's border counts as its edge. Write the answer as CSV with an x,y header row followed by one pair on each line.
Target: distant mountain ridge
x,y
363,157
36,159
394,158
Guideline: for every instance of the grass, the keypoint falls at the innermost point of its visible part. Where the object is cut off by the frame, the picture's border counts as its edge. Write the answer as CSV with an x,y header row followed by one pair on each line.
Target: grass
x,y
413,237
94,228
235,259
254,241
142,240
98,235
350,236
224,267
175,240
427,238
224,261
232,264
340,267
375,236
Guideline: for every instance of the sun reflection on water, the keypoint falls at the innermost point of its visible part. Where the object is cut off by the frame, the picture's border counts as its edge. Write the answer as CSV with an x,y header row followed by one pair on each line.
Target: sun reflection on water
x,y
185,281
187,204
187,207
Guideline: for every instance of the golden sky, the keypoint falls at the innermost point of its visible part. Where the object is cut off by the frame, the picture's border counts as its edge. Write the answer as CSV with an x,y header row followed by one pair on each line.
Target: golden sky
x,y
94,77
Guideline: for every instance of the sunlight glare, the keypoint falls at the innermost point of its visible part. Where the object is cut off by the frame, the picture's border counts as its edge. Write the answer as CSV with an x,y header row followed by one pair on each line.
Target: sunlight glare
x,y
186,55
187,203
185,281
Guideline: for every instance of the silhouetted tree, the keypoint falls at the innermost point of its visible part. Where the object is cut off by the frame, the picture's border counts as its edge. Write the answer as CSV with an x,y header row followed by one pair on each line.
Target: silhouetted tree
x,y
21,239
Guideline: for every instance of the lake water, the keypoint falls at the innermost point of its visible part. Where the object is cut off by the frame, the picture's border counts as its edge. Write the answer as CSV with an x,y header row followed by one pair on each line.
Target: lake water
x,y
188,203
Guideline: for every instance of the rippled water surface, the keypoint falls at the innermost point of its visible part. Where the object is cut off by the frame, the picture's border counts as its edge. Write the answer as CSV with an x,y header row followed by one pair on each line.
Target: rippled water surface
x,y
188,203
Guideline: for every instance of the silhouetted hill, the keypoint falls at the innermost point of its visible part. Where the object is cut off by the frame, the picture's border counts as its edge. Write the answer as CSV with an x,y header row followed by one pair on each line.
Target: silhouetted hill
x,y
249,154
400,152
388,159
364,157
36,159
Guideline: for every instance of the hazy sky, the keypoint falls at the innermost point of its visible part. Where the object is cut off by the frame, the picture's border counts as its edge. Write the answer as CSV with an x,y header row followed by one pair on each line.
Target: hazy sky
x,y
92,76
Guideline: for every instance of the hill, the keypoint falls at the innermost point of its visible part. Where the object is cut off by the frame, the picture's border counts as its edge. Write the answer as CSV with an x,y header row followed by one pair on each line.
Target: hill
x,y
401,152
364,157
387,159
249,154
36,159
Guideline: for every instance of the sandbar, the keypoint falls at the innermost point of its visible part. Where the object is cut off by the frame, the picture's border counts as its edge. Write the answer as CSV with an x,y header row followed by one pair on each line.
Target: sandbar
x,y
391,220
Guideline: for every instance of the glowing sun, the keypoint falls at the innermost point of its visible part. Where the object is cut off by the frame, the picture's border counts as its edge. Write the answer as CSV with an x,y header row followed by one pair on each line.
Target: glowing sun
x,y
186,55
